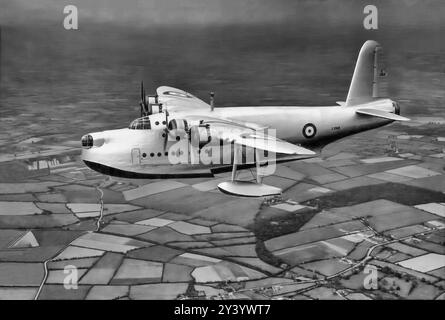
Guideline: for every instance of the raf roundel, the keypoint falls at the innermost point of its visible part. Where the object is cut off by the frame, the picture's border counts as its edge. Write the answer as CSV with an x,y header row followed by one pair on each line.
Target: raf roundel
x,y
309,131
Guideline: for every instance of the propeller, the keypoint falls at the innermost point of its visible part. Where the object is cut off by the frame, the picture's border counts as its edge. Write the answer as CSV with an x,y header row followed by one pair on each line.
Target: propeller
x,y
165,134
143,102
166,131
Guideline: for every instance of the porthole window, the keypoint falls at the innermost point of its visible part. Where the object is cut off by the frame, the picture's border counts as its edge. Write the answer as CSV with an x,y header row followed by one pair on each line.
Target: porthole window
x,y
164,123
157,123
144,155
152,154
178,138
159,154
166,154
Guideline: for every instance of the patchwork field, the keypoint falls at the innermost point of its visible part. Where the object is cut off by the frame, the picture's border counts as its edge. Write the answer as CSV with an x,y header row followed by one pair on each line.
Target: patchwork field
x,y
142,239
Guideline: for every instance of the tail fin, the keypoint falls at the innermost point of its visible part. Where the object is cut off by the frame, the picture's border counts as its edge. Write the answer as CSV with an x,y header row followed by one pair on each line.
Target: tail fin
x,y
364,84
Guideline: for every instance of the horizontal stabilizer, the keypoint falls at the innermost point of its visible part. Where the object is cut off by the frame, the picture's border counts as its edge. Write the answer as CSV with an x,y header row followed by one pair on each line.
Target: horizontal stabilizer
x,y
382,114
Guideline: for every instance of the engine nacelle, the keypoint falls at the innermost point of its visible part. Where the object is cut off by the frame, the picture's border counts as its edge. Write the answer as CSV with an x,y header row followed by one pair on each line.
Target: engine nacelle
x,y
151,105
154,108
178,124
200,136
152,99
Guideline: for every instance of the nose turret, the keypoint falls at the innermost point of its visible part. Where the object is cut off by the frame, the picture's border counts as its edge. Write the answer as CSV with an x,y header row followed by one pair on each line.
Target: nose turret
x,y
87,141
92,140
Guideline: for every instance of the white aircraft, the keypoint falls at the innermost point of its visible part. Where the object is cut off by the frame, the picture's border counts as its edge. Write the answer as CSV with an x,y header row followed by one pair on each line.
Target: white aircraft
x,y
179,135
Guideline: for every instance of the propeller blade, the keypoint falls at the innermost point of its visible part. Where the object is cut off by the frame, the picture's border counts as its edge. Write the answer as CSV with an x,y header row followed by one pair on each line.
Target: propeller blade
x,y
145,100
166,131
165,139
142,90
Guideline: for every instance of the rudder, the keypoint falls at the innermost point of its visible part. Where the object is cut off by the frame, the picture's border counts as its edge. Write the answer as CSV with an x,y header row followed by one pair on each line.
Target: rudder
x,y
364,84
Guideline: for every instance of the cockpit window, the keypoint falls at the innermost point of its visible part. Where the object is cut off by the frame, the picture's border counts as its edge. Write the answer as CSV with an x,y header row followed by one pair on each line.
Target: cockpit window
x,y
140,124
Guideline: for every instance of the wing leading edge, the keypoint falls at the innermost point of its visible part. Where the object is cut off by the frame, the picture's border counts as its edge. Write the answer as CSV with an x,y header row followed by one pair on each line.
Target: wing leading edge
x,y
179,100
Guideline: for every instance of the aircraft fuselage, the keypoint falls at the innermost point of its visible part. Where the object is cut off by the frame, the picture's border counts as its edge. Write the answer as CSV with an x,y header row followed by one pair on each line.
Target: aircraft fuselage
x,y
144,153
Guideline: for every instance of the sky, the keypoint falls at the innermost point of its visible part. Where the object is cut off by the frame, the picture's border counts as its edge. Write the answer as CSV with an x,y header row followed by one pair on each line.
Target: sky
x,y
288,51
146,13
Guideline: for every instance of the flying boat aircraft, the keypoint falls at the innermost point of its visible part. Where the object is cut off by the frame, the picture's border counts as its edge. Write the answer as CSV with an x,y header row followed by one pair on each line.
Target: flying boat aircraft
x,y
181,136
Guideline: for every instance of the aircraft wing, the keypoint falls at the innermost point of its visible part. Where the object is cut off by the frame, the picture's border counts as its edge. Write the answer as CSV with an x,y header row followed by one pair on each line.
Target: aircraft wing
x,y
179,100
263,141
246,136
